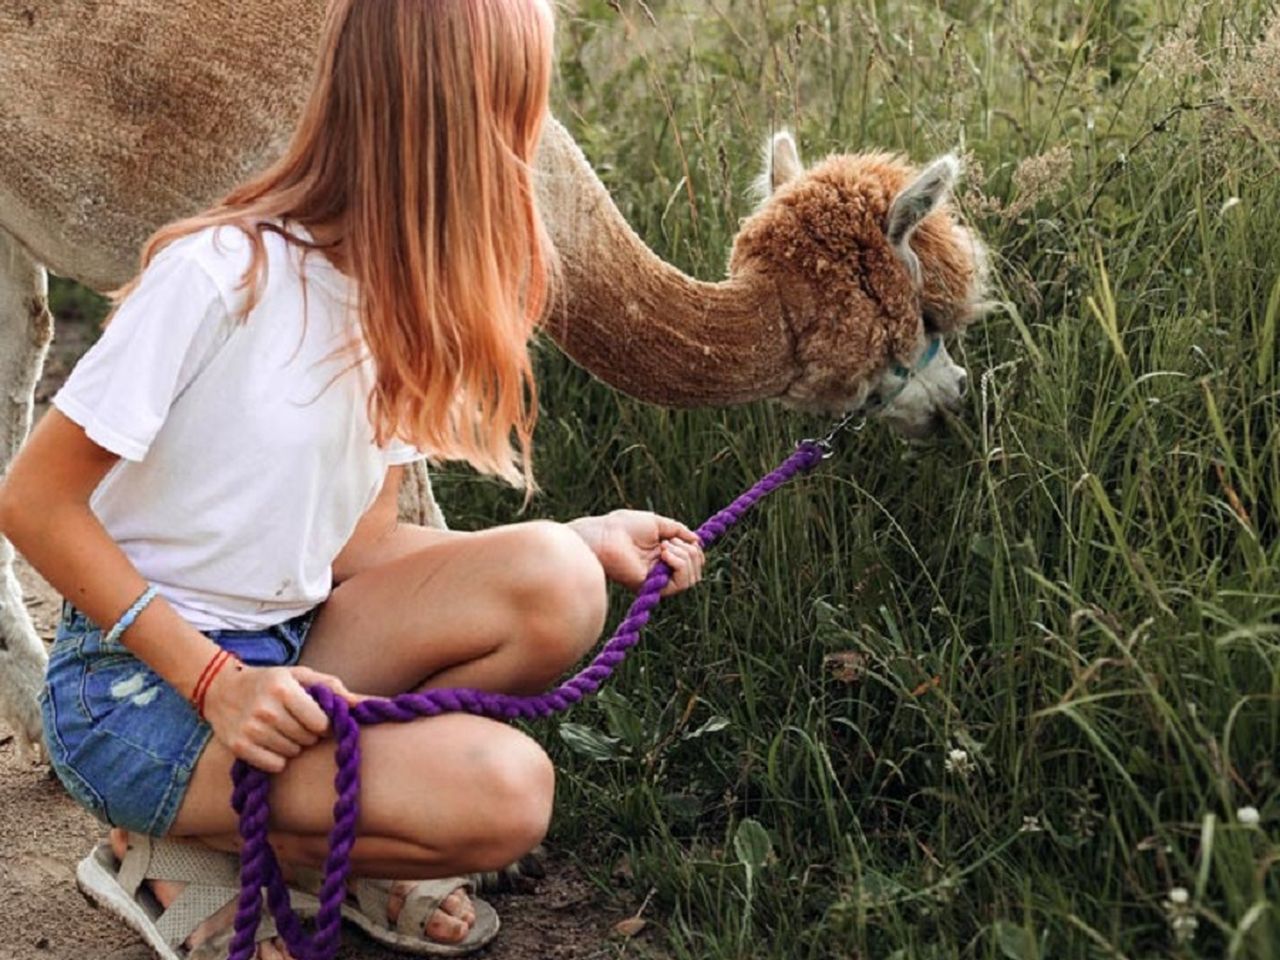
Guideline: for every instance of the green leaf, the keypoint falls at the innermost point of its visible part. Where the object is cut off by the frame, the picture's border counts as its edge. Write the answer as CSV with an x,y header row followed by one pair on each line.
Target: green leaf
x,y
1015,942
1267,342
982,546
752,845
824,612
623,721
683,806
714,725
588,741
880,888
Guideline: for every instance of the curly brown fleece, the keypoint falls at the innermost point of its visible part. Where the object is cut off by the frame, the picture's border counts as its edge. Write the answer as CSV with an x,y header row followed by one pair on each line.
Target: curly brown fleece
x,y
849,297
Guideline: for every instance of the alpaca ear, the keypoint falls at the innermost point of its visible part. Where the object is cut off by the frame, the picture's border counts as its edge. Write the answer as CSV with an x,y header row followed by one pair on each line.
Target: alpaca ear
x,y
916,201
781,164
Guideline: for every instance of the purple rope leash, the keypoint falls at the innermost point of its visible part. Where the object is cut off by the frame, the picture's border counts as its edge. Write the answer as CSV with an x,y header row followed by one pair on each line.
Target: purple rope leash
x,y
259,868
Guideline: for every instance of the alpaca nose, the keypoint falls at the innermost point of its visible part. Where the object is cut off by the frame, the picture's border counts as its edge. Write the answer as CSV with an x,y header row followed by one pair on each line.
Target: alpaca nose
x,y
962,384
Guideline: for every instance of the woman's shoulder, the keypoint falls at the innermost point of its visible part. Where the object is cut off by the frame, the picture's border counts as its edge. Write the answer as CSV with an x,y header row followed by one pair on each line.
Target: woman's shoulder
x,y
225,254
220,254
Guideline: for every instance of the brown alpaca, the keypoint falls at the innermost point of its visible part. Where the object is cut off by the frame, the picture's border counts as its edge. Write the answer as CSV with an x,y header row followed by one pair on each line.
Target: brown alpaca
x,y
173,103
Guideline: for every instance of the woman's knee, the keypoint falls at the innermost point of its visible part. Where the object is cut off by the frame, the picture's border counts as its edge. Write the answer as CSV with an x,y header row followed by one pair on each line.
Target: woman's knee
x,y
514,792
562,598
491,810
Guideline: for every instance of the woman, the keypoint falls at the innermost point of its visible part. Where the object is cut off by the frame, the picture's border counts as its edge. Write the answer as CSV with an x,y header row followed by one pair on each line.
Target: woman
x,y
214,494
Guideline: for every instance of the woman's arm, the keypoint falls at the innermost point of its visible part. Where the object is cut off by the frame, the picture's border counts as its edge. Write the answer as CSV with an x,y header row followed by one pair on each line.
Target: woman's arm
x,y
44,511
626,542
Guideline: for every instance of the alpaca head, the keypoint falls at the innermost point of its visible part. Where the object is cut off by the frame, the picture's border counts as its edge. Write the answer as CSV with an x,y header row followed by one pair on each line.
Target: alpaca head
x,y
870,264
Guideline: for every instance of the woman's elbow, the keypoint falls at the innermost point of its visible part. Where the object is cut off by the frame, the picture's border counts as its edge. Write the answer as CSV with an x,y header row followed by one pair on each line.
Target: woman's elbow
x,y
58,466
10,508
22,507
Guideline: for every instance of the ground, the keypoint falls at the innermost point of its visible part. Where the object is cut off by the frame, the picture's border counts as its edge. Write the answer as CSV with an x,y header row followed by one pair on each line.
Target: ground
x,y
43,833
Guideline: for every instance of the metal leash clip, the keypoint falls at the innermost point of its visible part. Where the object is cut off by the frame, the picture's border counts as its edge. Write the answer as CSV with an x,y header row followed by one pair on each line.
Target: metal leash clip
x,y
828,450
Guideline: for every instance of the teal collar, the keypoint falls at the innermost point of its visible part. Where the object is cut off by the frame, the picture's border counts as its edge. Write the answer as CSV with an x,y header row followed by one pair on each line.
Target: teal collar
x,y
905,373
926,358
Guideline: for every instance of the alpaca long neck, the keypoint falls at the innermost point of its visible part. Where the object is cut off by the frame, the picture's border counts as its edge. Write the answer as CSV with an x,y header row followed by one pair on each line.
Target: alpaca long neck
x,y
640,324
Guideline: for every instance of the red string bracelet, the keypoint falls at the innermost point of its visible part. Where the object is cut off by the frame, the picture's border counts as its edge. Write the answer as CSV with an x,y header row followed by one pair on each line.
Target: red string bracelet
x,y
211,670
204,674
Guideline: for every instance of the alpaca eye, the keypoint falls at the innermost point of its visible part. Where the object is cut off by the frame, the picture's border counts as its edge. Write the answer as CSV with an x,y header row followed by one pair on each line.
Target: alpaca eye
x,y
930,323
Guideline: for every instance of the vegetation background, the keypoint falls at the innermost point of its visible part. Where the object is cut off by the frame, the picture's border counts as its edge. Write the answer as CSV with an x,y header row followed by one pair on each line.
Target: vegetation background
x,y
1014,694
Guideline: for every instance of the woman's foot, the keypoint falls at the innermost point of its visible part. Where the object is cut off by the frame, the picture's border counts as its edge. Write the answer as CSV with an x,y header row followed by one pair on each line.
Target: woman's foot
x,y
449,924
167,891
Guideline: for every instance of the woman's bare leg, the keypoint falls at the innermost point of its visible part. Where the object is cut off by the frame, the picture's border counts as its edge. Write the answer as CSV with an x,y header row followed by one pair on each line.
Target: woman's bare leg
x,y
507,609
440,796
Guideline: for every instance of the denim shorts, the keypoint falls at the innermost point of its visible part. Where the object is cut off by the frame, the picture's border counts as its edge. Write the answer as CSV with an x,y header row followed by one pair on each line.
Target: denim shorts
x,y
122,740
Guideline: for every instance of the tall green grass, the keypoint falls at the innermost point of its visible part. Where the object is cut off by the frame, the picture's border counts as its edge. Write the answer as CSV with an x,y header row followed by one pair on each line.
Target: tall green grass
x,y
1077,587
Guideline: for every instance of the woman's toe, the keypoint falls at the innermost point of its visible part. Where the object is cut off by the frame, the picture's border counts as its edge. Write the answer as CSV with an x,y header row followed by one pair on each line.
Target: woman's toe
x,y
445,929
459,905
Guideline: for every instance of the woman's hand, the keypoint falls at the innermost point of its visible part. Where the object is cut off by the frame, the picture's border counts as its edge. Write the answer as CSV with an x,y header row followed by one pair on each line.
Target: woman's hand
x,y
265,716
628,542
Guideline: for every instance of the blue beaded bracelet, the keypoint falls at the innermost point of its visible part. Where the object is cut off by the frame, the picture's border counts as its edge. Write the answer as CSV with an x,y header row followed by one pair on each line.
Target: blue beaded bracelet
x,y
125,622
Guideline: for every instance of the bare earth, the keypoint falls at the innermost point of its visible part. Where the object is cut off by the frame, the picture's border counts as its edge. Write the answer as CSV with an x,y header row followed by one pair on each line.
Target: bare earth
x,y
43,834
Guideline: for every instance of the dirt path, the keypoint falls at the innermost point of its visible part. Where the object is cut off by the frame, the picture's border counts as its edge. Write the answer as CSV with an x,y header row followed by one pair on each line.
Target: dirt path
x,y
43,834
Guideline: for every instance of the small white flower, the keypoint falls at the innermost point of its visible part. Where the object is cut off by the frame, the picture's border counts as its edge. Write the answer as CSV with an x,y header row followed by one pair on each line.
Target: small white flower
x,y
1182,918
1184,927
1248,816
958,762
1031,825
1228,204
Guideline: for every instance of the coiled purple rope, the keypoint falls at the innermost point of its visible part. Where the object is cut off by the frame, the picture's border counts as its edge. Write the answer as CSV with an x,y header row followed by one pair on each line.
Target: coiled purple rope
x,y
259,868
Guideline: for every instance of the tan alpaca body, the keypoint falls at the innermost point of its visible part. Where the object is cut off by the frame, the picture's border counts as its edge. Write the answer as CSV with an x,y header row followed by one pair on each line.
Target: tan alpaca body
x,y
117,116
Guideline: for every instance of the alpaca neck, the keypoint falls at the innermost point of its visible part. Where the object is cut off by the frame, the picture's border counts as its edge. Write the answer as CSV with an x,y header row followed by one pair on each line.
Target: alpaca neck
x,y
640,324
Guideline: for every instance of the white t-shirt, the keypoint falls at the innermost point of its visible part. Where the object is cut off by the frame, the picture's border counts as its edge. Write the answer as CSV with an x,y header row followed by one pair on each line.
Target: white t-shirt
x,y
242,476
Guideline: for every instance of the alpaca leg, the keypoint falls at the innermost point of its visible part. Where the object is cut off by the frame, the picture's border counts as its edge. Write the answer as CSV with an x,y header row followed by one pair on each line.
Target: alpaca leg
x,y
26,327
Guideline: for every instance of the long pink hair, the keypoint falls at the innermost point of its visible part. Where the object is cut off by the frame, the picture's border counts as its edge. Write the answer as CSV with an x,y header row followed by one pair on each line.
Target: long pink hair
x,y
417,141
